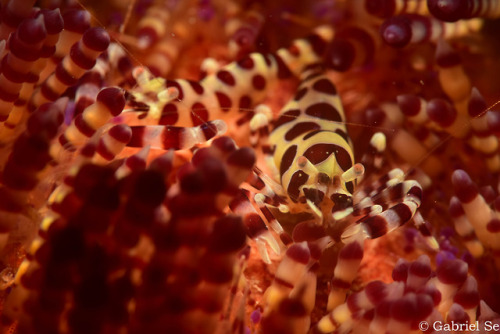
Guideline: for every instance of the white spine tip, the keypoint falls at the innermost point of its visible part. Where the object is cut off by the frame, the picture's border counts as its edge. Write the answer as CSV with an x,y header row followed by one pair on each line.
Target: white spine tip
x,y
379,142
221,126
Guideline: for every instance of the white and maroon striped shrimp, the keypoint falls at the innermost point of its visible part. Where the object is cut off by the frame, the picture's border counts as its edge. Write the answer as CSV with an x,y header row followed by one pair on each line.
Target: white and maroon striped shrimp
x,y
313,155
